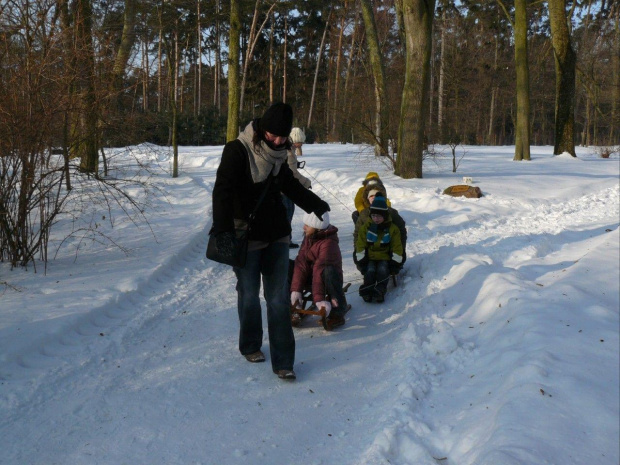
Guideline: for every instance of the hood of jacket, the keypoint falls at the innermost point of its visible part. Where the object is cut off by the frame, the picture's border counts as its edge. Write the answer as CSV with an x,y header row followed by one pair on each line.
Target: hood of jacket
x,y
329,232
374,186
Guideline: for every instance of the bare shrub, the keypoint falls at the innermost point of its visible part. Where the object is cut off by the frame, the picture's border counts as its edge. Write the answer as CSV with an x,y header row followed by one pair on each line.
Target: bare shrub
x,y
607,152
51,97
26,225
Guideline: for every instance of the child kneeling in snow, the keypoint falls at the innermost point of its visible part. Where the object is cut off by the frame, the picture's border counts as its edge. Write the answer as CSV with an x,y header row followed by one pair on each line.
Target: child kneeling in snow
x,y
318,267
378,251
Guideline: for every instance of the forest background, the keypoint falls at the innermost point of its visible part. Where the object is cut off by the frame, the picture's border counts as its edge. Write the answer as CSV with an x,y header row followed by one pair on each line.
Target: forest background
x,y
80,76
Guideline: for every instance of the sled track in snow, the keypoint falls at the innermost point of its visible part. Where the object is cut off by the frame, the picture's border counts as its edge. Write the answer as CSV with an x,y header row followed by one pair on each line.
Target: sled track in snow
x,y
556,224
102,329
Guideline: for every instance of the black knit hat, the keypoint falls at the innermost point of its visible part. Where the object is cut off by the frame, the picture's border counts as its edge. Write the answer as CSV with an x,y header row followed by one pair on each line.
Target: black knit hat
x,y
278,119
379,207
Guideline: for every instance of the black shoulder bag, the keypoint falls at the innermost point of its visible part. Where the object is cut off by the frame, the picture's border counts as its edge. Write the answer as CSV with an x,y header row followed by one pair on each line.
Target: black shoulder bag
x,y
236,254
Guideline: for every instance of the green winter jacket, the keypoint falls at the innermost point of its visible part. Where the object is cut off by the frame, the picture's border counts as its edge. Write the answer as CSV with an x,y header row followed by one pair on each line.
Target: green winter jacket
x,y
385,245
396,219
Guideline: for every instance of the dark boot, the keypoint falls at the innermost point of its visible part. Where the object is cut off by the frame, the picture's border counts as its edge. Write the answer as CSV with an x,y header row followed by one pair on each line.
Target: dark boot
x,y
335,319
287,375
379,296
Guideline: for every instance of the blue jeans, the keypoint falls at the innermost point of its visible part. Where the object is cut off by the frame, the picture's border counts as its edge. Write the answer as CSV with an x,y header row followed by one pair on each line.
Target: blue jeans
x,y
376,277
271,264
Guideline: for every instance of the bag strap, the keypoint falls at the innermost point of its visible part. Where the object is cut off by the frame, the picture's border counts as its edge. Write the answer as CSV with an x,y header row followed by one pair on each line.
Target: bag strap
x,y
260,199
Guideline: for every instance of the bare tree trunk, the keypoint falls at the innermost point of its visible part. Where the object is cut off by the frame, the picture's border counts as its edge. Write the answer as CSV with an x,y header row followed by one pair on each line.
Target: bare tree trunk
x,y
232,127
457,125
585,133
316,72
217,102
145,78
334,131
65,19
271,83
284,59
431,95
159,62
376,63
87,146
400,22
181,70
175,144
442,73
418,23
615,117
490,138
253,38
128,39
352,55
494,91
595,116
379,104
328,93
198,102
565,61
173,67
522,141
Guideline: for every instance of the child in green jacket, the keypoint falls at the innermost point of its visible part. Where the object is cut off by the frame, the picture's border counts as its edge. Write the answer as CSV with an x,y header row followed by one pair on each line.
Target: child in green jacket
x,y
378,251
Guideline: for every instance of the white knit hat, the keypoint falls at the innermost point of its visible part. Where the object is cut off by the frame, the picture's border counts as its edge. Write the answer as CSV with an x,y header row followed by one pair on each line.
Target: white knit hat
x,y
297,136
310,219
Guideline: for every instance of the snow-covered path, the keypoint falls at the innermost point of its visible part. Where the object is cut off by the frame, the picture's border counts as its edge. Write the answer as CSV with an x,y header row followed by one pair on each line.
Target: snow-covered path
x,y
499,346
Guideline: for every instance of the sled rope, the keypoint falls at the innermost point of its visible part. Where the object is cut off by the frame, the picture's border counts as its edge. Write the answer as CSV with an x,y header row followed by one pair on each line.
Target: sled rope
x,y
362,288
328,191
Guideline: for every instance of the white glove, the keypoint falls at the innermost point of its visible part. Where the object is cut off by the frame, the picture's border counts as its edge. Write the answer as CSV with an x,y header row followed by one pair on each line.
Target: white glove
x,y
324,304
296,298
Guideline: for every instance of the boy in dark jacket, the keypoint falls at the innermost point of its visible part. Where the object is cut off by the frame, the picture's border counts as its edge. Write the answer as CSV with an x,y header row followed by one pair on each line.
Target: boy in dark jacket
x,y
318,267
378,251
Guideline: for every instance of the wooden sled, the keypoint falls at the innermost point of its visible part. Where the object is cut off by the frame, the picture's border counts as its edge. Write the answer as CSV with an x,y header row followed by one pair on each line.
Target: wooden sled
x,y
298,313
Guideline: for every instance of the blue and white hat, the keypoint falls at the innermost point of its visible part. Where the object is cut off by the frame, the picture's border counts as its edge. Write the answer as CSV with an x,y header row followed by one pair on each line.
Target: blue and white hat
x,y
379,207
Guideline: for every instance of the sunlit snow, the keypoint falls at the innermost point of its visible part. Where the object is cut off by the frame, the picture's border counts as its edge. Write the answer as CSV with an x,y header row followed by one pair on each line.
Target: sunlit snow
x,y
498,347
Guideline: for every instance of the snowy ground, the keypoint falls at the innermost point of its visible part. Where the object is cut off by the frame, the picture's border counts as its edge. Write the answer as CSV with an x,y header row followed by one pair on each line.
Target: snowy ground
x,y
499,346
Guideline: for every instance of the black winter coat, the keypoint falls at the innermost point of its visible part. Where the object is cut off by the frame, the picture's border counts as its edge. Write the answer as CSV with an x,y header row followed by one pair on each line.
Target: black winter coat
x,y
235,196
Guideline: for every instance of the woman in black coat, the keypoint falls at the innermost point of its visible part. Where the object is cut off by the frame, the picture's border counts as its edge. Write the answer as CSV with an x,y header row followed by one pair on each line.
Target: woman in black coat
x,y
243,174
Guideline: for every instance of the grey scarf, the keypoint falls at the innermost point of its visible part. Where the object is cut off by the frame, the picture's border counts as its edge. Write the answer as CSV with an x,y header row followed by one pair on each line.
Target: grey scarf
x,y
263,159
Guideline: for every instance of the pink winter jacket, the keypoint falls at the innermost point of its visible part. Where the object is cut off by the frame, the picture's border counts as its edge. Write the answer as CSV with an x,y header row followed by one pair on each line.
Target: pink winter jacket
x,y
316,252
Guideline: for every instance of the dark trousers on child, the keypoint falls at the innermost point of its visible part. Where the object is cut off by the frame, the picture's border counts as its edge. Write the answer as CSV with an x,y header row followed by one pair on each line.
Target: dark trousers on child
x,y
333,286
376,277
